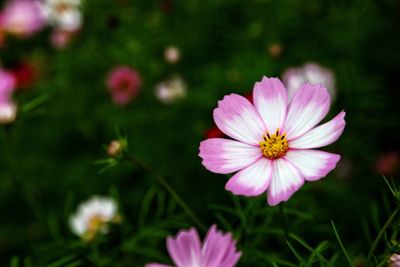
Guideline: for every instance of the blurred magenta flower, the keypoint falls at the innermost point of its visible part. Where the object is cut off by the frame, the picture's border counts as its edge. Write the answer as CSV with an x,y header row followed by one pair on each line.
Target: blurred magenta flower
x,y
123,83
8,109
93,216
23,17
273,141
388,163
64,15
313,73
214,132
186,250
25,74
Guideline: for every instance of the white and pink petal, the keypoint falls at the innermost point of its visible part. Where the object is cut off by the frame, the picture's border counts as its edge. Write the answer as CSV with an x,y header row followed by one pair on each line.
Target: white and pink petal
x,y
226,156
157,265
219,249
309,106
322,135
185,249
286,180
236,117
313,164
252,180
270,99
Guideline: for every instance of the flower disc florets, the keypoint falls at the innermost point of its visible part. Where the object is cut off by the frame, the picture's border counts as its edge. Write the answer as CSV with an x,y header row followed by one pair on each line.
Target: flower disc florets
x,y
275,145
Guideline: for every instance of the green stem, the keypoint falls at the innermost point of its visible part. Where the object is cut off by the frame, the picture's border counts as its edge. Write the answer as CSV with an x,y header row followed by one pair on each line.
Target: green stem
x,y
284,221
170,190
380,234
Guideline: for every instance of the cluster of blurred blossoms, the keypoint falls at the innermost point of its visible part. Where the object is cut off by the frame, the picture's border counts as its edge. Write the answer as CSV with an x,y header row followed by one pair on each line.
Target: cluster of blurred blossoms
x,y
95,216
124,82
24,18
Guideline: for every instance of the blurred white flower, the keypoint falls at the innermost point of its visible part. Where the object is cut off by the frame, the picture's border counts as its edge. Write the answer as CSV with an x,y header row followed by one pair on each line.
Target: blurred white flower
x,y
65,15
172,54
313,73
171,90
8,113
93,216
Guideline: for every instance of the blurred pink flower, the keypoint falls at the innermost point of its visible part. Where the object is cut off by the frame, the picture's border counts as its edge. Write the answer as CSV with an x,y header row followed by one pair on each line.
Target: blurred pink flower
x,y
394,261
23,17
60,39
274,140
293,78
123,83
7,86
8,109
186,250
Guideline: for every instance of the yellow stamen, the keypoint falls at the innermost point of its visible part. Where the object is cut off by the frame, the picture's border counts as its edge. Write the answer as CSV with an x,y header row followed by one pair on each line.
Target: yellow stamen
x,y
275,145
94,225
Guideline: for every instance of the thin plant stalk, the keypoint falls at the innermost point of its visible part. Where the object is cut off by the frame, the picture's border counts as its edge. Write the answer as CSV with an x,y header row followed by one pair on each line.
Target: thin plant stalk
x,y
380,234
170,190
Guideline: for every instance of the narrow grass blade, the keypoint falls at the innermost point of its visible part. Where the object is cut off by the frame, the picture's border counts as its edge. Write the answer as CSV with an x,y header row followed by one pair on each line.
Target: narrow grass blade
x,y
341,245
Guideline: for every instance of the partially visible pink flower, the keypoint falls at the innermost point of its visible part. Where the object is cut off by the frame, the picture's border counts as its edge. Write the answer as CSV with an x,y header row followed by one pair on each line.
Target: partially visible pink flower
x,y
7,86
123,83
388,163
23,17
186,250
8,109
394,261
274,140
293,78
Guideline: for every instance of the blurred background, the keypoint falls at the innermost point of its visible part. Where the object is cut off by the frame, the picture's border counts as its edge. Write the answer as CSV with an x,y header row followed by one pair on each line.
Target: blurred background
x,y
75,75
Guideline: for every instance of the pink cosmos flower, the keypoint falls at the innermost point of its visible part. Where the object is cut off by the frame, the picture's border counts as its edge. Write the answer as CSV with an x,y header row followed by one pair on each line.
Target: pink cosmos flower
x,y
293,78
23,17
123,83
274,142
8,109
218,250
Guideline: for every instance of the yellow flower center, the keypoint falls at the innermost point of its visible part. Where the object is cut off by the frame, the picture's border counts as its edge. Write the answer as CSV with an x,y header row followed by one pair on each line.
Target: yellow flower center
x,y
95,222
94,225
275,145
